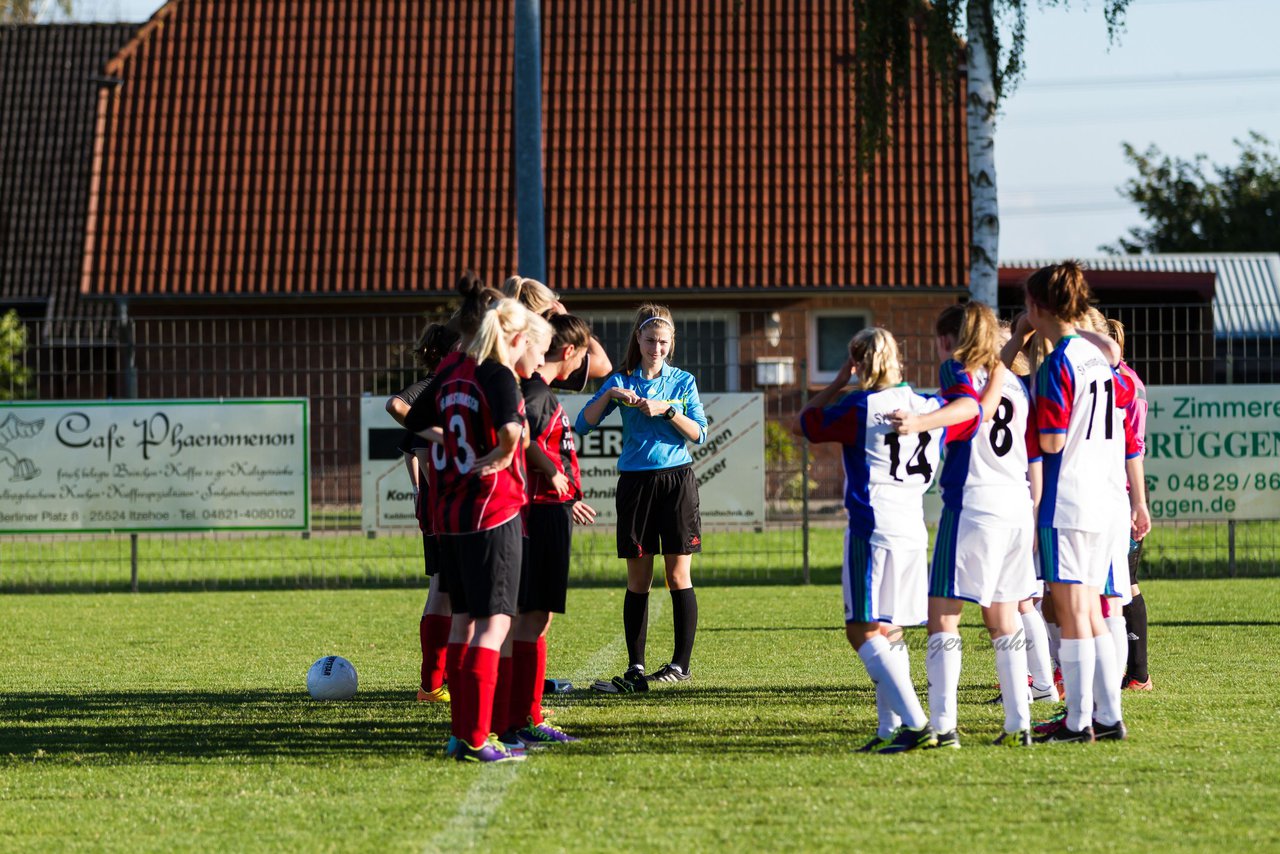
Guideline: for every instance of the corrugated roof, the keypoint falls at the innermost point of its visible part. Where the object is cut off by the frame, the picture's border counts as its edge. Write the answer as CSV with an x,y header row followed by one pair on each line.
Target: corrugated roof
x,y
293,147
50,77
1246,300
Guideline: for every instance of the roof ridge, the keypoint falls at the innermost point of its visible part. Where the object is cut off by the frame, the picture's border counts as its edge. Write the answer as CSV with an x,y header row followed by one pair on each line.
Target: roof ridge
x,y
155,22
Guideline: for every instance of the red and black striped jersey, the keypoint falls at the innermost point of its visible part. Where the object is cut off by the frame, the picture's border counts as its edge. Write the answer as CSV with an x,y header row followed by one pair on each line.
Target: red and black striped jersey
x,y
551,431
469,402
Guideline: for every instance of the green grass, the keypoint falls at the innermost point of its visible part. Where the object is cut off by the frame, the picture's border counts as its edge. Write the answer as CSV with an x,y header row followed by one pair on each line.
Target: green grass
x,y
350,559
179,721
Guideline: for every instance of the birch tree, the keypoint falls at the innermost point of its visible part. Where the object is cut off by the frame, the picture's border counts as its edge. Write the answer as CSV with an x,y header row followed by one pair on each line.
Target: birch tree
x,y
995,35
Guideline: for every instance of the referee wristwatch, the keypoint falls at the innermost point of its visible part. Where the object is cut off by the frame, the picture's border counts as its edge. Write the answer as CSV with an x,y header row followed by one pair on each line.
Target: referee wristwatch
x,y
670,414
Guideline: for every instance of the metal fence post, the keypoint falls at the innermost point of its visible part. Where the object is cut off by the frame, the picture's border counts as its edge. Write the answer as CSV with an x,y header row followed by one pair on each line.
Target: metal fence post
x,y
804,475
129,390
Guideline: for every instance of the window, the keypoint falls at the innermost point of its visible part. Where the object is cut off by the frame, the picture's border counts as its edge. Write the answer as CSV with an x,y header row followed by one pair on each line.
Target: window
x,y
706,343
829,334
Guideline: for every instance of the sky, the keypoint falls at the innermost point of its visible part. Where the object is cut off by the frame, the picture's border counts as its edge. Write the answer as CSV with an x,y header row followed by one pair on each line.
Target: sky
x,y
1188,76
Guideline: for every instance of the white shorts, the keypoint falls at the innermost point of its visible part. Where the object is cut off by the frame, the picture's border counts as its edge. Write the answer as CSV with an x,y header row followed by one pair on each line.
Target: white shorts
x,y
884,585
981,563
1118,583
1072,556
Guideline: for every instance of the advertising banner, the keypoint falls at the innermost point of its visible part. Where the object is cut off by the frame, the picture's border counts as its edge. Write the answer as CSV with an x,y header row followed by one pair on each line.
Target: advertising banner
x,y
154,465
729,465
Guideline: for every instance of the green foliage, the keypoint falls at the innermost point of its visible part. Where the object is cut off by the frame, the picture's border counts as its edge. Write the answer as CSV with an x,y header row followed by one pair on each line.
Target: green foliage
x,y
179,721
1194,206
14,375
779,446
26,11
881,61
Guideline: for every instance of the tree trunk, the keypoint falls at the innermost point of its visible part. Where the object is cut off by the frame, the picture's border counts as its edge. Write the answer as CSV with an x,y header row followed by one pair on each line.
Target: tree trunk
x,y
984,248
531,239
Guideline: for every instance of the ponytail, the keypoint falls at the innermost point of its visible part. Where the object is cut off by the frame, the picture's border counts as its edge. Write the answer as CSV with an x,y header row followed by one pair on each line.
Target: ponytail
x,y
976,332
1061,290
1116,330
476,300
875,352
436,342
503,320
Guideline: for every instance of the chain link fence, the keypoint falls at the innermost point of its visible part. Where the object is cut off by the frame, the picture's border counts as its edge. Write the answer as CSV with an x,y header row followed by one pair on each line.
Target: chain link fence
x,y
335,358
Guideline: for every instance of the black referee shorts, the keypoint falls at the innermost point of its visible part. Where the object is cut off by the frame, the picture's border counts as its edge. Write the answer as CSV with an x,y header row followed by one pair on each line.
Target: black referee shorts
x,y
658,513
544,580
482,570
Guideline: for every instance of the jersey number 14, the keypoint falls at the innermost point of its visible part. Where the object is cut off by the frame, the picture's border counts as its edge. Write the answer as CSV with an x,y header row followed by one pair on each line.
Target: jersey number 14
x,y
917,463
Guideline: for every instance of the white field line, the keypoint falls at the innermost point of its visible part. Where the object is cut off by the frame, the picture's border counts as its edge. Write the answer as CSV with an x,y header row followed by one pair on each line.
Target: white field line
x,y
467,828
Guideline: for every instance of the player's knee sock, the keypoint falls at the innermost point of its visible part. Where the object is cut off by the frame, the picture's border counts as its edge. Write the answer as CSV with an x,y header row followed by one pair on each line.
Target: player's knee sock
x,y
1078,657
1037,651
1054,631
887,719
635,625
942,664
458,694
684,613
481,667
1106,681
1119,641
887,669
524,672
539,680
1135,618
1011,669
433,633
500,716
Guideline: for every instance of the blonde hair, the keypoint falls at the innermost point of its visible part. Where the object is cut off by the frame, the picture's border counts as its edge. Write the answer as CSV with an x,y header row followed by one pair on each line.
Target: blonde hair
x,y
875,352
504,319
1095,320
531,293
1116,330
539,332
976,332
645,315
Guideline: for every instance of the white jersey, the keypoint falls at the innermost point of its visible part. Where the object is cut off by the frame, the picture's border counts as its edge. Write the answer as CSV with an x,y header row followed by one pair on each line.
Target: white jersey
x,y
886,474
1079,395
986,475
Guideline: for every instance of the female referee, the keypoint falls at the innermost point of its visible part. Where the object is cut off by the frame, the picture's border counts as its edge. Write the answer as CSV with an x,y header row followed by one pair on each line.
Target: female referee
x,y
657,496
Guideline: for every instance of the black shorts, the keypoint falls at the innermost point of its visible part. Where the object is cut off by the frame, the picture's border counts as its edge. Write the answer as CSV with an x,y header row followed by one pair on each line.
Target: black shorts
x,y
1135,560
658,513
431,560
481,571
544,580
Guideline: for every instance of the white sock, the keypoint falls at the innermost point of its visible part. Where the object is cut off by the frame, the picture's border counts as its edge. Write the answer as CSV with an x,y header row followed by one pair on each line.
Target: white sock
x,y
886,669
1106,681
889,720
1119,639
942,664
1078,659
1037,651
887,717
1055,641
1011,669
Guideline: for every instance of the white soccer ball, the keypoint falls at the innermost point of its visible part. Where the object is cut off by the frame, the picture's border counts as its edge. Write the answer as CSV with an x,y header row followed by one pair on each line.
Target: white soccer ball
x,y
332,678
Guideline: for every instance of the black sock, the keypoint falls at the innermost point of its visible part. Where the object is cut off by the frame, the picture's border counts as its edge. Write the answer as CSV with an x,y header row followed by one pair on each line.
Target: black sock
x,y
635,625
684,614
1135,623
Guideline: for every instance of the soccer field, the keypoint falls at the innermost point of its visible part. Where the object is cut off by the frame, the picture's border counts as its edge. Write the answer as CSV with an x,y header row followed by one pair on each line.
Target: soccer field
x,y
180,721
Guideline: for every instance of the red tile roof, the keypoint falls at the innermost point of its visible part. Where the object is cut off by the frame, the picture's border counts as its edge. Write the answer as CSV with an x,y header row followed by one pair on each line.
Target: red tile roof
x,y
50,77
295,147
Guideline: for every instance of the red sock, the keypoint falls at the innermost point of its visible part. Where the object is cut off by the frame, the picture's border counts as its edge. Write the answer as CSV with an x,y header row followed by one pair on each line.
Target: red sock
x,y
502,695
524,660
433,632
458,691
539,681
481,669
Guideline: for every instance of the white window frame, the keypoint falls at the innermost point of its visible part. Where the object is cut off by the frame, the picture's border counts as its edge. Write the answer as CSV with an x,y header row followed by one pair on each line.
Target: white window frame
x,y
818,377
732,326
